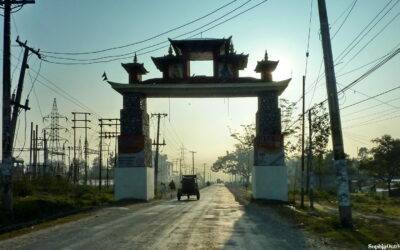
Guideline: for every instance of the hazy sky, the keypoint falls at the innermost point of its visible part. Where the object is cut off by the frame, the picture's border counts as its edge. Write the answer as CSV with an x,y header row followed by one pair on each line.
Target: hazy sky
x,y
202,125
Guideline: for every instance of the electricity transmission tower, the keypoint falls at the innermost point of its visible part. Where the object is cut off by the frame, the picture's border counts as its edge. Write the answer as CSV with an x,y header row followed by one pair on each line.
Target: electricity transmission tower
x,y
55,141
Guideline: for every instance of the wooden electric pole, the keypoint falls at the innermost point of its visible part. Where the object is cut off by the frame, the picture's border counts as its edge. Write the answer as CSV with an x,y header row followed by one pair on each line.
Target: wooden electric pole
x,y
193,152
302,147
16,99
86,127
336,127
103,122
309,162
204,166
6,121
157,144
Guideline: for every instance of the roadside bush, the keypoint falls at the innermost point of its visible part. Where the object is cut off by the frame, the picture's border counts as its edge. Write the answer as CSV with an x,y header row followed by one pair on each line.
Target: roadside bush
x,y
22,188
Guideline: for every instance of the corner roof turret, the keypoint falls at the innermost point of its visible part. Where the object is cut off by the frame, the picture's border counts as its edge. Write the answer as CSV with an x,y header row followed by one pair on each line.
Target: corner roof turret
x,y
266,65
135,67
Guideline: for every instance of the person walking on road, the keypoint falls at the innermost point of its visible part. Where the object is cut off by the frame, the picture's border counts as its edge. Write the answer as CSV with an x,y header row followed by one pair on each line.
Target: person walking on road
x,y
163,190
172,187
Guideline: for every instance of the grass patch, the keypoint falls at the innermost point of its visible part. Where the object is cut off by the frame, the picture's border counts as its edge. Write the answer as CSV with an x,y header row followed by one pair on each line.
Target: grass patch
x,y
47,197
365,203
327,226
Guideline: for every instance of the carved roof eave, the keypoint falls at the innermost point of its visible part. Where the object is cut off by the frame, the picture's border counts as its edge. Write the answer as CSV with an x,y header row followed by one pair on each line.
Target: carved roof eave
x,y
163,61
178,90
139,67
177,44
239,60
270,65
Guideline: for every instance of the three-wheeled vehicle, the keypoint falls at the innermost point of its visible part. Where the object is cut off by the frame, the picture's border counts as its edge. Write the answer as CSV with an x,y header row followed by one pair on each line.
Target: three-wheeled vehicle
x,y
188,187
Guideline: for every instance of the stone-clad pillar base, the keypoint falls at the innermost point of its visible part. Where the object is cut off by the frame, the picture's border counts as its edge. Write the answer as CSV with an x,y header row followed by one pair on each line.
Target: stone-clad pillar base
x,y
134,183
270,183
134,175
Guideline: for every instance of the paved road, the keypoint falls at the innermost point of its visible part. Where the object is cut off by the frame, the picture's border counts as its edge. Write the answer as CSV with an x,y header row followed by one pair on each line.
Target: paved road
x,y
216,221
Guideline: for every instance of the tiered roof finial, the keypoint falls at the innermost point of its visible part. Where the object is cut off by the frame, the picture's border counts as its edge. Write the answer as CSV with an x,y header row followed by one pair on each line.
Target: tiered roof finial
x,y
231,49
266,56
170,50
135,58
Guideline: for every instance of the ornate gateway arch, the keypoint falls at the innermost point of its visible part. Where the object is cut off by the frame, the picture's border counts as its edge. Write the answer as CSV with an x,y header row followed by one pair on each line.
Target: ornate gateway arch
x,y
134,175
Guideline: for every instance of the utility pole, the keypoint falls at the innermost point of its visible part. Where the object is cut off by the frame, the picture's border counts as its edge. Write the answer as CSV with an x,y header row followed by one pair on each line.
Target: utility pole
x,y
37,149
204,165
193,152
336,127
302,146
74,159
45,154
86,127
180,169
6,119
103,122
100,151
33,139
16,99
309,162
157,144
30,152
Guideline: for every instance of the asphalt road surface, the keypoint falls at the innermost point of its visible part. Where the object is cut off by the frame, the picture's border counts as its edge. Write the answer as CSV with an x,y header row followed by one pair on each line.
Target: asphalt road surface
x,y
216,221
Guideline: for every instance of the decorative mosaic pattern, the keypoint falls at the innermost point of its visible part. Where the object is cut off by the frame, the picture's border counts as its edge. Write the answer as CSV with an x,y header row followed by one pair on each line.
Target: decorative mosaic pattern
x,y
268,125
135,121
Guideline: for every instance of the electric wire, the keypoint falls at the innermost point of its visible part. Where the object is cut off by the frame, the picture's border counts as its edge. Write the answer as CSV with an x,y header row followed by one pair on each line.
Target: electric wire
x,y
144,40
160,43
154,45
372,97
351,45
372,39
345,19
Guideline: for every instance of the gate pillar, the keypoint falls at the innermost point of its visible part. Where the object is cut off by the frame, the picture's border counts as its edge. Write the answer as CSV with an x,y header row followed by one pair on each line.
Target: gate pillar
x,y
134,175
269,177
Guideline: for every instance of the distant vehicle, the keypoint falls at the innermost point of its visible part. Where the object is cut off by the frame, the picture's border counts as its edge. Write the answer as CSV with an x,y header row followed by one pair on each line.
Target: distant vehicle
x,y
189,187
219,181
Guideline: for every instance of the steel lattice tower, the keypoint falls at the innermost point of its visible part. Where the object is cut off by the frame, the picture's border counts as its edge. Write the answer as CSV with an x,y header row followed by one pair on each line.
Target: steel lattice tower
x,y
55,141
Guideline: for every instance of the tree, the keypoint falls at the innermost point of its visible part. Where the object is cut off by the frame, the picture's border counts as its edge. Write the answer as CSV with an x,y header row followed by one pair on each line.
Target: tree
x,y
240,161
363,153
320,137
384,160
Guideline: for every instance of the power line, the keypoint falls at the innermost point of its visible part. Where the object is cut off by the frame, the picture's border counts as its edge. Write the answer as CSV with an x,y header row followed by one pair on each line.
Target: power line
x,y
370,107
372,97
131,53
128,55
346,51
343,54
63,93
371,70
144,40
372,39
345,19
372,121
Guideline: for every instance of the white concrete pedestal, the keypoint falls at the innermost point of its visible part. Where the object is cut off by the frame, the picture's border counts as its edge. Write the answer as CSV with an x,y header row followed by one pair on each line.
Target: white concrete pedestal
x,y
270,182
134,183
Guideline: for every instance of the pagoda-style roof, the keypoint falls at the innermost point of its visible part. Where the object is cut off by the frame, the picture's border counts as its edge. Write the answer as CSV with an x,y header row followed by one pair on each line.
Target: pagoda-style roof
x,y
135,67
240,60
163,61
266,65
199,49
226,89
